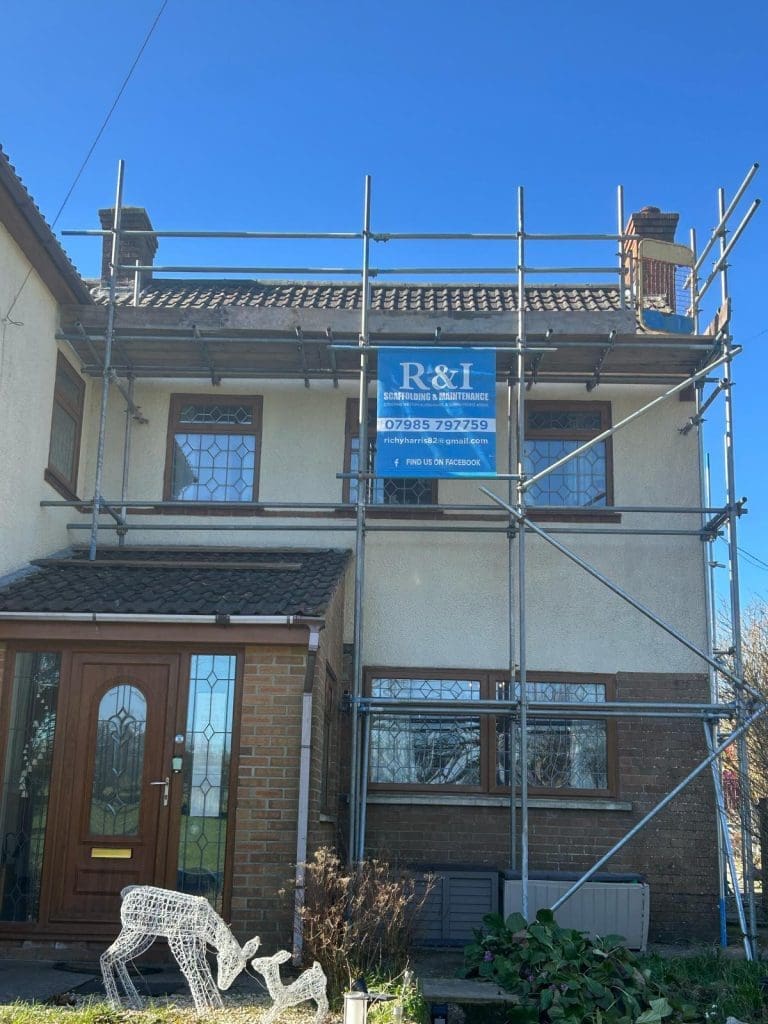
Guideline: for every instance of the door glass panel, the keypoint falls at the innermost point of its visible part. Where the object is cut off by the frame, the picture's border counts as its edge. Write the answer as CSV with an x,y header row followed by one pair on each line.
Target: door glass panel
x,y
119,762
26,783
205,806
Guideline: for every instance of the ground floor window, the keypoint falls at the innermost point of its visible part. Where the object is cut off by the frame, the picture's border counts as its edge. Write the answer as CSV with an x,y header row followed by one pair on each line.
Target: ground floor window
x,y
27,782
208,752
465,752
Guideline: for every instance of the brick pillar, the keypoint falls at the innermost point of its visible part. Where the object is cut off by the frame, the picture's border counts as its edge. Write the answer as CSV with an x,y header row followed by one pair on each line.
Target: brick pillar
x,y
267,793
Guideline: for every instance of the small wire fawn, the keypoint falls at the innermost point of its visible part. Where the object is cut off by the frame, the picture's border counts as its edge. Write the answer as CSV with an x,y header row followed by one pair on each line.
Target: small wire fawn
x,y
309,985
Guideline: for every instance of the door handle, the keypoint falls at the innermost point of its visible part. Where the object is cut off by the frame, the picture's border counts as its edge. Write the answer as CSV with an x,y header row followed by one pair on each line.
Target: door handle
x,y
165,784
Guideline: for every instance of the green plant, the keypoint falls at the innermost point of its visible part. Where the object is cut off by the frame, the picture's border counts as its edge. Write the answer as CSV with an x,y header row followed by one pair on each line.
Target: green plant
x,y
560,976
711,986
407,995
358,920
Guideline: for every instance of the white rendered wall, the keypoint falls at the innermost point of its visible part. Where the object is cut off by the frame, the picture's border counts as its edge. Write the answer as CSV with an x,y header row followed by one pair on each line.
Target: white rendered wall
x,y
27,373
441,600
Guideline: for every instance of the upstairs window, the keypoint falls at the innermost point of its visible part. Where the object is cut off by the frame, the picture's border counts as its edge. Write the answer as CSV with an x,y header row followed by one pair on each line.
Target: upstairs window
x,y
66,425
214,445
554,429
388,490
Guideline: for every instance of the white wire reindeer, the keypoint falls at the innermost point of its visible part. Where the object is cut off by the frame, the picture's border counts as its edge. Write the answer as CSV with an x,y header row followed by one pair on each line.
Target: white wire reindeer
x,y
309,985
189,924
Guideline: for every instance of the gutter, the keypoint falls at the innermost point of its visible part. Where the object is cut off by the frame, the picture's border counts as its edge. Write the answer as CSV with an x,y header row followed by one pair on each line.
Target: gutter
x,y
313,622
303,808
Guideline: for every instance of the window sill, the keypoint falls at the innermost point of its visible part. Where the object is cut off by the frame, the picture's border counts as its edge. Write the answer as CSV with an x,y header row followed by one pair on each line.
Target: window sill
x,y
566,515
565,803
59,485
574,515
193,508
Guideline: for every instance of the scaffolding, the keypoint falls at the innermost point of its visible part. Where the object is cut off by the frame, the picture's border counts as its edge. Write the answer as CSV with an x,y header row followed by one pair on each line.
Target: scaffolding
x,y
677,362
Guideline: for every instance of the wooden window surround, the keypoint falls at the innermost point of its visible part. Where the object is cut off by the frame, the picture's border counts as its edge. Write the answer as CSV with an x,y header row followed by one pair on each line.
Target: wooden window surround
x,y
583,490
567,757
66,428
387,495
213,452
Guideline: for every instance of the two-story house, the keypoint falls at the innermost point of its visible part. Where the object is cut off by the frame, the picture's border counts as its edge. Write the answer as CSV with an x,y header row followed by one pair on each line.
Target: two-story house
x,y
173,708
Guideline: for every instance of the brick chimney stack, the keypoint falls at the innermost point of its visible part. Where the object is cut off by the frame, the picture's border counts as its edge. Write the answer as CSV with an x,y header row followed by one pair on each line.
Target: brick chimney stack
x,y
650,222
658,277
132,248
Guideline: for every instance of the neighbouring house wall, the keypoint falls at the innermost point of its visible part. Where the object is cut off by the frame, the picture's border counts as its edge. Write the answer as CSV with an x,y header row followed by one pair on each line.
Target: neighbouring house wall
x,y
27,372
454,585
677,851
324,821
3,666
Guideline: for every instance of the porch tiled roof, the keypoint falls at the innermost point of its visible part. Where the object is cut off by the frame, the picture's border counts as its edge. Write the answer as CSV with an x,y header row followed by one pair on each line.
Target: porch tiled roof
x,y
189,294
180,581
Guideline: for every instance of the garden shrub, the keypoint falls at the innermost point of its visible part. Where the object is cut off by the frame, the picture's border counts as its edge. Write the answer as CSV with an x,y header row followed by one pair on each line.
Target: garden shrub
x,y
358,920
560,976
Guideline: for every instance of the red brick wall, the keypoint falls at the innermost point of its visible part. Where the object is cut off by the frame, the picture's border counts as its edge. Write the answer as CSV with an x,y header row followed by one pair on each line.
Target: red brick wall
x,y
264,853
677,851
267,787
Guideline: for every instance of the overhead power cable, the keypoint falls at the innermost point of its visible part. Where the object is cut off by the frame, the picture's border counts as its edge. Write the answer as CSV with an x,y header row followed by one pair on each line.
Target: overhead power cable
x,y
96,139
758,563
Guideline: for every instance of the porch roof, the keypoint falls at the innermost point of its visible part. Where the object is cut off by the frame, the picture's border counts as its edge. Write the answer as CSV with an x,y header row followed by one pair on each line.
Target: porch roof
x,y
180,581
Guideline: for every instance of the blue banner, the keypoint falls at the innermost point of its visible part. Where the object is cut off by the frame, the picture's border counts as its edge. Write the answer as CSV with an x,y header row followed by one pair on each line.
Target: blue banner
x,y
436,412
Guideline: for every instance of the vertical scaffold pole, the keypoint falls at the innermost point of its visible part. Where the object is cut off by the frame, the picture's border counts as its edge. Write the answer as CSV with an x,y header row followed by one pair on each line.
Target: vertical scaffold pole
x,y
745,795
725,842
520,506
126,457
620,232
355,796
707,555
105,379
511,535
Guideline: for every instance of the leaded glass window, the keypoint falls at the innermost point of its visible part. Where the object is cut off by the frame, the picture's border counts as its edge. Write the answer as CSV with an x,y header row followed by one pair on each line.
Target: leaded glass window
x,y
416,748
562,753
213,449
387,490
554,430
423,749
119,762
27,782
208,751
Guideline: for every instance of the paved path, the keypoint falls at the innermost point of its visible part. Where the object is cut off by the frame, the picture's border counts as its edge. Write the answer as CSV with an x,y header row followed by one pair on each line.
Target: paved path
x,y
35,981
462,991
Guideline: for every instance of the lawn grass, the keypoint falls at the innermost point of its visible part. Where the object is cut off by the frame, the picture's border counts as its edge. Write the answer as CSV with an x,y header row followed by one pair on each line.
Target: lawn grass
x,y
92,1012
711,987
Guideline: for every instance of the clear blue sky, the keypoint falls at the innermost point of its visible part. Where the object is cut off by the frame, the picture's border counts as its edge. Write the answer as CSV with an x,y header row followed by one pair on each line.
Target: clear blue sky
x,y
268,115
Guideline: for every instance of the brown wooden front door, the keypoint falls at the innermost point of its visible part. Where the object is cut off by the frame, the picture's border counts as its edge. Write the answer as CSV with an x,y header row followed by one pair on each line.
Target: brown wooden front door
x,y
112,812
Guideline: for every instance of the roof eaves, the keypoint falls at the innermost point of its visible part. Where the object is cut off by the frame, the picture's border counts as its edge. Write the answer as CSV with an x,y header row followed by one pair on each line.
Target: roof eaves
x,y
50,260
